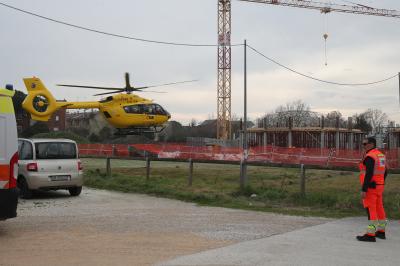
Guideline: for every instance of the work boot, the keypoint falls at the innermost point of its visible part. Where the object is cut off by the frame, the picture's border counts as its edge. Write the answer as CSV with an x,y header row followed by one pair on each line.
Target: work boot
x,y
380,234
366,238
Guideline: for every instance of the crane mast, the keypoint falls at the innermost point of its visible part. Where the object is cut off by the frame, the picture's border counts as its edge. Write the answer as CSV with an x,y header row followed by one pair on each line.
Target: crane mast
x,y
224,46
224,70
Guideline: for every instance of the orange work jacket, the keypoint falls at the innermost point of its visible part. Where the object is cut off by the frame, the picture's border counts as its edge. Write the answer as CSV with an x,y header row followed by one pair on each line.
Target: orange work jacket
x,y
379,167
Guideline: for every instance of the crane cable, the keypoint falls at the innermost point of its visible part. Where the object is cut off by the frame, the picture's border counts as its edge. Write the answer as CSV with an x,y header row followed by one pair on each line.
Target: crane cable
x,y
326,37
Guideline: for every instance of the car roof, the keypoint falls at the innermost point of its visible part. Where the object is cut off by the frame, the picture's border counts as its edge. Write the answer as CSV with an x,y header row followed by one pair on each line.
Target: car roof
x,y
37,140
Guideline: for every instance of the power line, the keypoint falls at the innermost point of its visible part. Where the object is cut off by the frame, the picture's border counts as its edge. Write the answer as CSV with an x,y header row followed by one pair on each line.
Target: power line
x,y
317,79
190,45
109,33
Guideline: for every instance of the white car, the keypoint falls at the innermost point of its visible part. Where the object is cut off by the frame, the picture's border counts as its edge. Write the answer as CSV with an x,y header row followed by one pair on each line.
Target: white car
x,y
49,164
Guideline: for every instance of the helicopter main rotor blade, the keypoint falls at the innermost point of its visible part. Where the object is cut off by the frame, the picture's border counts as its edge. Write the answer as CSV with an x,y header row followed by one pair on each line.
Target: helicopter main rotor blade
x,y
155,91
127,83
166,84
90,87
111,92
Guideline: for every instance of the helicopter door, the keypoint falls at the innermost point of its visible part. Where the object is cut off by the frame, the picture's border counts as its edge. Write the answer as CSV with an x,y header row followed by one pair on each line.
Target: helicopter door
x,y
137,110
149,111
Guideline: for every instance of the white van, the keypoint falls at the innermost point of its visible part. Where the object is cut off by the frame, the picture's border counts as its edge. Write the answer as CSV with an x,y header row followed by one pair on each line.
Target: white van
x,y
8,156
49,164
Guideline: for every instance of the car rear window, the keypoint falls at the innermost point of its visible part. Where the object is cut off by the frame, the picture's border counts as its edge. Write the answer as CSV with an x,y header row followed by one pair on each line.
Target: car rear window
x,y
55,150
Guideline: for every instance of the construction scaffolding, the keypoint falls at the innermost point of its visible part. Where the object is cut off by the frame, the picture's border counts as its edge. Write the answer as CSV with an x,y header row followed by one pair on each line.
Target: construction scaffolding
x,y
339,138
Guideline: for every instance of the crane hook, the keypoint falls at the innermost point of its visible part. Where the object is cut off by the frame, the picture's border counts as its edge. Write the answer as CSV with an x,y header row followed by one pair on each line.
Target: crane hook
x,y
326,58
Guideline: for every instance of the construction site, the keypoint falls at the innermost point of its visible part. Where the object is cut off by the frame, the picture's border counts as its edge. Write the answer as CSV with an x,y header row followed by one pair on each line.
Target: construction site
x,y
285,134
269,129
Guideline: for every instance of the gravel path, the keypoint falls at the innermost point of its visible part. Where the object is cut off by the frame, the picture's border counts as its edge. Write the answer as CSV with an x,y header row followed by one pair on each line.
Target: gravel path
x,y
110,228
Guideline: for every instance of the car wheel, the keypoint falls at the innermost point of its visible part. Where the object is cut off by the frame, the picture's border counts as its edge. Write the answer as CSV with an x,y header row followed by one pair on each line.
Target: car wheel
x,y
24,191
75,191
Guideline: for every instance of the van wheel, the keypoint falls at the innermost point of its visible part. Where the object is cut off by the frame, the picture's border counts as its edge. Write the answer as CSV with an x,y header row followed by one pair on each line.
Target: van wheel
x,y
24,191
75,191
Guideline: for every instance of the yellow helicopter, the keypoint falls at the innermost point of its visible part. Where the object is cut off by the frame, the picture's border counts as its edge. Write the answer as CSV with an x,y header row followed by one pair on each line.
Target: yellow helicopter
x,y
127,112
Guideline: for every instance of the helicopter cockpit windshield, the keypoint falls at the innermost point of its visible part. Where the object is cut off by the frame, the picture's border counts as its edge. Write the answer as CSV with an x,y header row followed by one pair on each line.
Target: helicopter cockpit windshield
x,y
153,109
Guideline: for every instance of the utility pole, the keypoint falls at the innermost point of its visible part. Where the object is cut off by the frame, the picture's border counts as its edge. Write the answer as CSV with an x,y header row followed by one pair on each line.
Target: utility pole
x,y
243,172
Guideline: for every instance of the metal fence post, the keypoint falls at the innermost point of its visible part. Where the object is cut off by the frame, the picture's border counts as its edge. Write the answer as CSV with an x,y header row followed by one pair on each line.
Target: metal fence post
x,y
190,180
108,167
243,173
147,168
114,150
302,180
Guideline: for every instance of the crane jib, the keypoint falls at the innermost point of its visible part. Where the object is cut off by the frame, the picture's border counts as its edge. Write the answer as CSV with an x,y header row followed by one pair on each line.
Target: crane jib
x,y
329,7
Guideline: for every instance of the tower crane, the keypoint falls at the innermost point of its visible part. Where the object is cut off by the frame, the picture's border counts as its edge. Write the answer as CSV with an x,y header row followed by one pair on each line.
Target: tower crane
x,y
224,46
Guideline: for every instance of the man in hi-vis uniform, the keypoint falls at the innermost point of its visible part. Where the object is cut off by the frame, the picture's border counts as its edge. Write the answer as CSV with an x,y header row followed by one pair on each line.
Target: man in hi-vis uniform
x,y
372,178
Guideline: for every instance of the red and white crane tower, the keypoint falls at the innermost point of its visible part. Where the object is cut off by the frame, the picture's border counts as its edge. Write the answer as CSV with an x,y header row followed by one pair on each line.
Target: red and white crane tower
x,y
224,47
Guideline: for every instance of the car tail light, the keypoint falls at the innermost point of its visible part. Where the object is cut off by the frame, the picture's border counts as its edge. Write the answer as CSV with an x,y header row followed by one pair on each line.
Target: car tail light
x,y
80,167
32,167
13,171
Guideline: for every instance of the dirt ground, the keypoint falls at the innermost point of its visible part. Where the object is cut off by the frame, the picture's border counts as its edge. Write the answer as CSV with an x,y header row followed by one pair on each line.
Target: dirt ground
x,y
110,228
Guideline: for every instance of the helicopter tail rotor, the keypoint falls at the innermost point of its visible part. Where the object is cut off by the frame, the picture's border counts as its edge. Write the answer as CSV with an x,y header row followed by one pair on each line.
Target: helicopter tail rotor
x,y
40,103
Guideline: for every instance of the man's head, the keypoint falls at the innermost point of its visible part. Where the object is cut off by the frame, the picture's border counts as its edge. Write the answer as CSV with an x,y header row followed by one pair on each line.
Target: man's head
x,y
369,143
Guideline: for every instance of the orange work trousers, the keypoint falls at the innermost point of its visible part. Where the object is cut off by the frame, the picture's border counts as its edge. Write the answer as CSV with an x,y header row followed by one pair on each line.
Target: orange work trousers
x,y
373,202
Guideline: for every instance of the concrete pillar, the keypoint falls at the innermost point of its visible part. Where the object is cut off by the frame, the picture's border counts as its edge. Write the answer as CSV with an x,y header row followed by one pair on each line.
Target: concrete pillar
x,y
265,140
351,141
322,139
337,139
337,136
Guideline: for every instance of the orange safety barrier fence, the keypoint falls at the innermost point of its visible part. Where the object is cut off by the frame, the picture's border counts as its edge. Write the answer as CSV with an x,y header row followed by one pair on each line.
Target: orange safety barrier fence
x,y
262,154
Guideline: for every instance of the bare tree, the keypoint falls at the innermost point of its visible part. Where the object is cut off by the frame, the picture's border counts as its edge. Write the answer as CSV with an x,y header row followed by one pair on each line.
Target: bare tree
x,y
334,119
376,118
235,117
193,123
297,110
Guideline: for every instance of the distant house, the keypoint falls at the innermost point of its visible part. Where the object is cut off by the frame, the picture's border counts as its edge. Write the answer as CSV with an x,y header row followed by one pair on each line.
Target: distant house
x,y
23,121
57,120
55,123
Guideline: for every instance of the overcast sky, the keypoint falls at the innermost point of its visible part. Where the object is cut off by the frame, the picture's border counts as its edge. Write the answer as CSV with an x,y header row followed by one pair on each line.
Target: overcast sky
x,y
360,49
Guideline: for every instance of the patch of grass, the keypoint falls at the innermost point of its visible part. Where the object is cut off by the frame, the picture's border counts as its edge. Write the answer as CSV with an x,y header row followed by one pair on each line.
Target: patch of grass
x,y
328,193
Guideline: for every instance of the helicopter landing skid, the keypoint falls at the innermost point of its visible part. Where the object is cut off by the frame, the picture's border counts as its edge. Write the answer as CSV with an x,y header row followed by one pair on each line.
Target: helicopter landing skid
x,y
138,131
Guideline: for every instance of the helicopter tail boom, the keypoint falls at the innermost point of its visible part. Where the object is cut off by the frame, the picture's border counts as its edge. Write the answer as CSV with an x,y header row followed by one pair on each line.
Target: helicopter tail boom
x,y
41,104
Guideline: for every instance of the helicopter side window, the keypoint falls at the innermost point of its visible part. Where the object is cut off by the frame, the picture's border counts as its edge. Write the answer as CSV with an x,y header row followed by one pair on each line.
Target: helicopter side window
x,y
133,109
159,110
148,109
